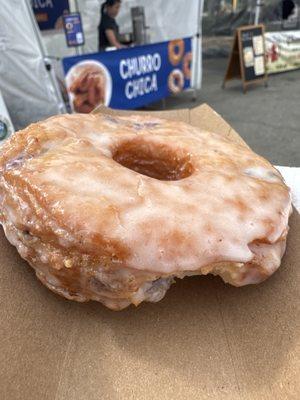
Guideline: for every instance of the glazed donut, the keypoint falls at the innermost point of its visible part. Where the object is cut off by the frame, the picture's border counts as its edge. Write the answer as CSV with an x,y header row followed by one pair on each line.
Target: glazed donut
x,y
187,65
176,51
113,208
176,81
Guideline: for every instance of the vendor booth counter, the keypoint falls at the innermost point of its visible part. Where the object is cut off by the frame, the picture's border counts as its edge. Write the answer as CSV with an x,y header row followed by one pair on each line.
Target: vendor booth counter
x,y
128,78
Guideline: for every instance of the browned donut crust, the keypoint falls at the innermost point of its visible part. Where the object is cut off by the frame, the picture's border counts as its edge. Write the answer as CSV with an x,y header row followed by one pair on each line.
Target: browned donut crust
x,y
113,208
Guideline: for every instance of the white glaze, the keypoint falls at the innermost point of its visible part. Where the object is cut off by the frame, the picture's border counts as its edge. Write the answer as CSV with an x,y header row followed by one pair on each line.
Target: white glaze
x,y
232,199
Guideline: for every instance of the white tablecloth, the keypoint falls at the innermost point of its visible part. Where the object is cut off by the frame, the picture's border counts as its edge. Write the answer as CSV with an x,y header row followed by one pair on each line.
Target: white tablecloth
x,y
292,179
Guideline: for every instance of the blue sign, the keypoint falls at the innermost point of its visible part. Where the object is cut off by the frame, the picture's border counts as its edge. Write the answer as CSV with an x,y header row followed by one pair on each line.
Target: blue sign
x,y
73,30
49,13
128,78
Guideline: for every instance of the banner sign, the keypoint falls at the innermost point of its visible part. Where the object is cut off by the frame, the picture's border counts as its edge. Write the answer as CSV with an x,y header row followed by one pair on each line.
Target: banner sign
x,y
283,51
128,78
49,13
73,30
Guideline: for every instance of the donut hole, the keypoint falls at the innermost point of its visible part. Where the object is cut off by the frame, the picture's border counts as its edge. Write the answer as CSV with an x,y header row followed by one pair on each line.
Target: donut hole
x,y
177,49
154,160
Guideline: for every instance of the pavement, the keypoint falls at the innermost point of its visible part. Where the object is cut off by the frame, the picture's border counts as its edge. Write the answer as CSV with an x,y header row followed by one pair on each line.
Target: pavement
x,y
268,119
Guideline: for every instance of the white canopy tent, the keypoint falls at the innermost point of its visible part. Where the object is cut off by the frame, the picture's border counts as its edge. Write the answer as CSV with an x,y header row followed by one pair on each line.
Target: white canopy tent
x,y
28,89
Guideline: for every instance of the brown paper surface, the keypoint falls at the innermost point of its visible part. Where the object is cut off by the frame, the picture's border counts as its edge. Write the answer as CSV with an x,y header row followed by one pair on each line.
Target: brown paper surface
x,y
204,340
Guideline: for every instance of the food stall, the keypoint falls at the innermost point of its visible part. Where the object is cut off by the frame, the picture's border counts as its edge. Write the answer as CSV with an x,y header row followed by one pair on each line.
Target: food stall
x,y
163,59
163,56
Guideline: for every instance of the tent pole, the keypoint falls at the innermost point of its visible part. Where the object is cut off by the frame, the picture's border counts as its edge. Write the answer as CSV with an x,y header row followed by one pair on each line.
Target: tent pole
x,y
47,63
197,52
258,7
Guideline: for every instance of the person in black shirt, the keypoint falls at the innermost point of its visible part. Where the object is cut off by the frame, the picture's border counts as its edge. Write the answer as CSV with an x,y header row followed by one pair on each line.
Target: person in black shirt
x,y
108,28
287,8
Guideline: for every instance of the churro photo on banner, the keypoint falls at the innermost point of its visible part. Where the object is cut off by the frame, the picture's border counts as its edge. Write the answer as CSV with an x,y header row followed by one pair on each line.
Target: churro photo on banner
x,y
89,85
180,57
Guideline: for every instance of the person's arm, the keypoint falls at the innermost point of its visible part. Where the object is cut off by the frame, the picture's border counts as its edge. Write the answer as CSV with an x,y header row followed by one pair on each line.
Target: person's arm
x,y
111,36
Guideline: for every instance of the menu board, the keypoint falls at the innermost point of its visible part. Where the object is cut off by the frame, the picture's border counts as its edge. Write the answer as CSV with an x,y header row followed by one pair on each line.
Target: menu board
x,y
247,59
253,52
73,30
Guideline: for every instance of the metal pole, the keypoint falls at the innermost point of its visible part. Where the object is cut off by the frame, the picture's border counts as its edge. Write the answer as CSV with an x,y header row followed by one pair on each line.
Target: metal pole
x,y
258,7
52,77
198,54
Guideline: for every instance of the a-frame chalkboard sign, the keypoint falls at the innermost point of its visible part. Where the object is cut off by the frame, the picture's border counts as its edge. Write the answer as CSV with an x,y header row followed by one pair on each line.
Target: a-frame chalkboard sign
x,y
247,60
